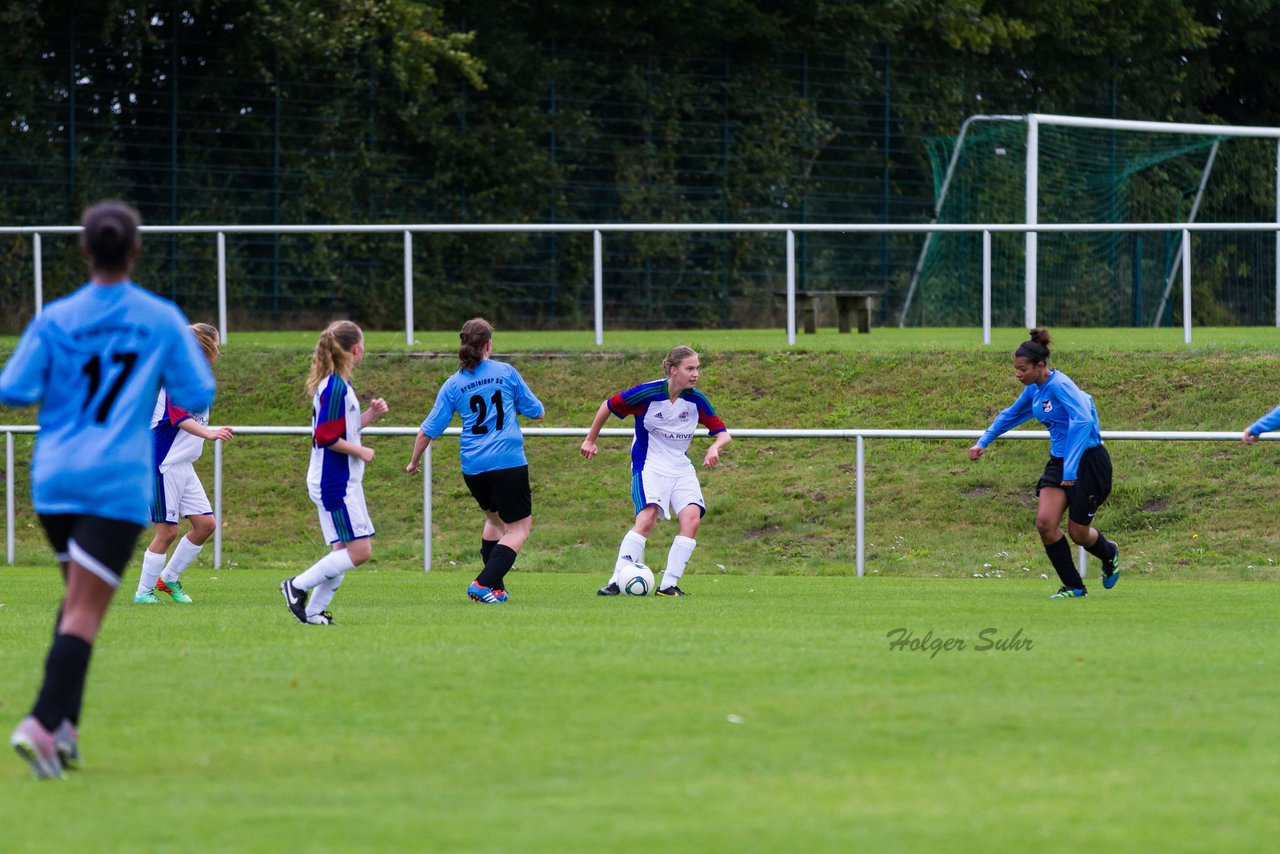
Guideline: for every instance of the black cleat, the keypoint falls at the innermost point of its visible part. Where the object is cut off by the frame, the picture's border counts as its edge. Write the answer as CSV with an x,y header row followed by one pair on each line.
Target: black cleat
x,y
671,591
295,599
610,589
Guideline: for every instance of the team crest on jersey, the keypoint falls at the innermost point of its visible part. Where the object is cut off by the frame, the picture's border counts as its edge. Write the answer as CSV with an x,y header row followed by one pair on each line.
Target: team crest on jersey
x,y
1047,406
684,416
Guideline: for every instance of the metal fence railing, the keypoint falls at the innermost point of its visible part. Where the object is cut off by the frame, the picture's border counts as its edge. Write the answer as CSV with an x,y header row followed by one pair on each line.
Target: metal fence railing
x,y
860,437
598,230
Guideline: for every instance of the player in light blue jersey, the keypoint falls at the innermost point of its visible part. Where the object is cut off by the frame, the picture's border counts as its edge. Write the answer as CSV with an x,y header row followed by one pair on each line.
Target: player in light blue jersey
x,y
95,361
488,395
1265,424
1077,478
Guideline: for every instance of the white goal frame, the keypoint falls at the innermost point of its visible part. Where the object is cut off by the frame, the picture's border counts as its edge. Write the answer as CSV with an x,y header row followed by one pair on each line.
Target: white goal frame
x,y
1031,217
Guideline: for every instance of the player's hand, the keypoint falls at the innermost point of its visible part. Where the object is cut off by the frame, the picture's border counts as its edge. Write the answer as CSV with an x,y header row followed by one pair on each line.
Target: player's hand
x,y
366,453
976,451
712,457
378,407
221,434
412,468
1249,438
589,449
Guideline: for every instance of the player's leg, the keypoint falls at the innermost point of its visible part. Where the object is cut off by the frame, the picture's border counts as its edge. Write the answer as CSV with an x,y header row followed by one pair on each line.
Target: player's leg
x,y
96,552
513,503
194,505
336,524
631,549
687,497
1052,504
1092,487
164,513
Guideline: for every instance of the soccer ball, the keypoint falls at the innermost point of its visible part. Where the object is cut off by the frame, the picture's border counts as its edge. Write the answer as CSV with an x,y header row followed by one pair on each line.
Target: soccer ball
x,y
636,580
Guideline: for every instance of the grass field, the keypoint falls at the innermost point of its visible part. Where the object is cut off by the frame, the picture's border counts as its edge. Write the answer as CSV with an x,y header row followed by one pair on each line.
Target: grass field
x,y
767,711
762,713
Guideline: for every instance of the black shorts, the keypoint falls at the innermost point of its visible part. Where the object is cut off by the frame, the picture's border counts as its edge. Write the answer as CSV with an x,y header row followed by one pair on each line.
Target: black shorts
x,y
1092,486
503,491
102,546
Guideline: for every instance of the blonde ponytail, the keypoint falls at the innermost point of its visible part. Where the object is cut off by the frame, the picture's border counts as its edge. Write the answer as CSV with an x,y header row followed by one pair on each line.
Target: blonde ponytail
x,y
333,353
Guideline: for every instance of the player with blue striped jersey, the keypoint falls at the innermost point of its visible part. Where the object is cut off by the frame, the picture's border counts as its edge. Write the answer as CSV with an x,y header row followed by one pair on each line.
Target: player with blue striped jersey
x,y
1077,478
489,395
335,477
179,439
663,480
94,361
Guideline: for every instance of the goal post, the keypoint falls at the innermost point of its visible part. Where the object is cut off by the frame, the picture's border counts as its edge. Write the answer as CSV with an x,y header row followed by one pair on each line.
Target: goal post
x,y
1083,170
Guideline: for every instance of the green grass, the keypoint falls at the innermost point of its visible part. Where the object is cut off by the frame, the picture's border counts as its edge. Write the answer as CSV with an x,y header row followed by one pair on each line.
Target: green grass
x,y
783,506
760,713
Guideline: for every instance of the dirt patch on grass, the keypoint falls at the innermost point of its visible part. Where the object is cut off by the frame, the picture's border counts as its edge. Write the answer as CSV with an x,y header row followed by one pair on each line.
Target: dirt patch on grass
x,y
757,533
1155,505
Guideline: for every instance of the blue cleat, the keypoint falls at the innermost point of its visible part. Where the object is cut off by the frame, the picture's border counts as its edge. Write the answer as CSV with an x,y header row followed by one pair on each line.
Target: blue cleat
x,y
1110,570
1070,593
487,595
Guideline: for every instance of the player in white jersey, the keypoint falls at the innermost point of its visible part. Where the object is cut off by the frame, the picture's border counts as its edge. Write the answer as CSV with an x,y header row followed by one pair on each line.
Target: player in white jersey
x,y
664,482
334,478
179,438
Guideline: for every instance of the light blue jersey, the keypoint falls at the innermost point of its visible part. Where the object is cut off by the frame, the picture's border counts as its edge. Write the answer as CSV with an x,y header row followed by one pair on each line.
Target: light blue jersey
x,y
1061,406
1266,423
95,362
488,398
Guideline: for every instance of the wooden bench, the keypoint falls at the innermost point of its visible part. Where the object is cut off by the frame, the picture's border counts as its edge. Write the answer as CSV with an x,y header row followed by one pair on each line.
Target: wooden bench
x,y
846,302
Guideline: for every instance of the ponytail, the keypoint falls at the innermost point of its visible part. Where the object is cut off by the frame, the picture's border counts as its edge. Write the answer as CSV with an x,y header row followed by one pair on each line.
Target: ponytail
x,y
333,353
1035,350
475,334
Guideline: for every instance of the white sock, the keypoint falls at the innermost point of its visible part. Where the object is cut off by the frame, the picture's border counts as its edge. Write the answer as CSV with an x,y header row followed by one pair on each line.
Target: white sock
x,y
152,564
631,551
322,594
183,555
330,566
677,559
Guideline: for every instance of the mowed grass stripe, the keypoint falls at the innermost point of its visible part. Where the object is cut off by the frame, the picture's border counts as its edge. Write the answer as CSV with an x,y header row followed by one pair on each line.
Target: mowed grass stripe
x,y
759,713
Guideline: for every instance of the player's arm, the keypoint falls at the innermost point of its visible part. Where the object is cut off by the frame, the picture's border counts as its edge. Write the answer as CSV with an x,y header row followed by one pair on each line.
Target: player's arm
x,y
589,448
713,453
377,409
1265,424
1016,414
195,428
25,375
351,449
527,403
420,444
187,376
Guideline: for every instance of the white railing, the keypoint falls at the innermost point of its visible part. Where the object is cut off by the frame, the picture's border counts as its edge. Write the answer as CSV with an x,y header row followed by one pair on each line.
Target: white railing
x,y
860,437
599,229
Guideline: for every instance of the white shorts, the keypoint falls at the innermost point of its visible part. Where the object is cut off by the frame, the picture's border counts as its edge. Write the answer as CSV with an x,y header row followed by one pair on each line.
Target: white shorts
x,y
349,520
179,493
669,493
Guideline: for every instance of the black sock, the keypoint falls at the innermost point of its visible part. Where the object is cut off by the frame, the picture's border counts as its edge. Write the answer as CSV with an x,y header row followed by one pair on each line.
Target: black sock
x,y
1102,548
64,675
1060,556
486,549
495,568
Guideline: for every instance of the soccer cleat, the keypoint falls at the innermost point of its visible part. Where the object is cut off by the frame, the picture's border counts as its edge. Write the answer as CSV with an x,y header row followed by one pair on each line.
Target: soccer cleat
x,y
295,599
500,594
1110,568
324,618
487,595
147,598
174,589
67,742
610,589
1070,593
35,744
673,590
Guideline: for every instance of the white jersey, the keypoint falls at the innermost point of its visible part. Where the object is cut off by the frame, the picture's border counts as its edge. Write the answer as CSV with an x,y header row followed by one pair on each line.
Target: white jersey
x,y
172,443
664,427
335,414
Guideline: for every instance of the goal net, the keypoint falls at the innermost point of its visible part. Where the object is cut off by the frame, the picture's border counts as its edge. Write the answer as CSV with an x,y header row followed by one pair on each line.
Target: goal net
x,y
1111,172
